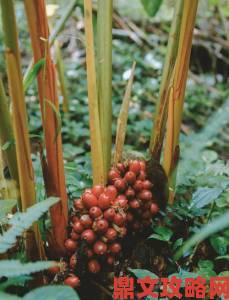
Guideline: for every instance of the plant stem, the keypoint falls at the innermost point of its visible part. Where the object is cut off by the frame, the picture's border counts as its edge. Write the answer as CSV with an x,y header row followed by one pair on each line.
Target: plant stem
x,y
122,119
176,93
104,64
47,89
95,133
7,136
61,77
158,132
57,28
24,162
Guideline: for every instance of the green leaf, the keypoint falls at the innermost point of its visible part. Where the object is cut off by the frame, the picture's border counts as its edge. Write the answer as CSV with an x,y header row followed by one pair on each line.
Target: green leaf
x,y
204,196
207,230
151,6
220,244
183,274
22,221
47,292
19,280
12,268
177,244
52,293
5,296
226,257
162,234
141,273
6,206
32,74
205,269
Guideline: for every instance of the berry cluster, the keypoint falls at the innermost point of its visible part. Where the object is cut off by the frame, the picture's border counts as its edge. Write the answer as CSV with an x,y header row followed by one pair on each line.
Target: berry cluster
x,y
103,215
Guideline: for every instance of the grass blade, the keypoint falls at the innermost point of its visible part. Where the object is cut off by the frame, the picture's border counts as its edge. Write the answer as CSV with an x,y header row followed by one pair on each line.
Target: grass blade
x,y
207,230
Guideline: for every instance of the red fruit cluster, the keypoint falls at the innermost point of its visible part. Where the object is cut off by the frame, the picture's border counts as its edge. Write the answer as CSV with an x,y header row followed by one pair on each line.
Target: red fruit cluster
x,y
103,215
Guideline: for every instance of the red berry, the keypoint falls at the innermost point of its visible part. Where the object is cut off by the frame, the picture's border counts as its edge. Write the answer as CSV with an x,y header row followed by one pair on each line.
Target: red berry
x,y
142,175
109,214
130,193
94,266
119,219
137,225
121,167
111,234
138,186
89,252
54,270
110,260
73,261
121,201
88,190
135,204
95,212
74,219
72,280
146,222
154,208
111,191
147,185
146,215
97,190
101,225
145,195
120,184
104,201
74,236
143,165
100,248
78,204
129,217
89,200
86,221
130,177
77,227
70,245
115,248
113,175
88,235
135,166
122,231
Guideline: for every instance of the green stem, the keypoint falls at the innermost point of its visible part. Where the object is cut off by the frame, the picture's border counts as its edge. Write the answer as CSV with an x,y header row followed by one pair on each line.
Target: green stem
x,y
104,64
158,132
6,134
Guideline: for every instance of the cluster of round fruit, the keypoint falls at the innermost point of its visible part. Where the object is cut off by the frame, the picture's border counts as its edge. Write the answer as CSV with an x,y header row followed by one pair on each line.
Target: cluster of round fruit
x,y
103,215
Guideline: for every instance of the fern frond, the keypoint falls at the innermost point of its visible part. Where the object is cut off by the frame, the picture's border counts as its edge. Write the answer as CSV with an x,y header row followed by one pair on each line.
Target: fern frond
x,y
23,221
12,268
